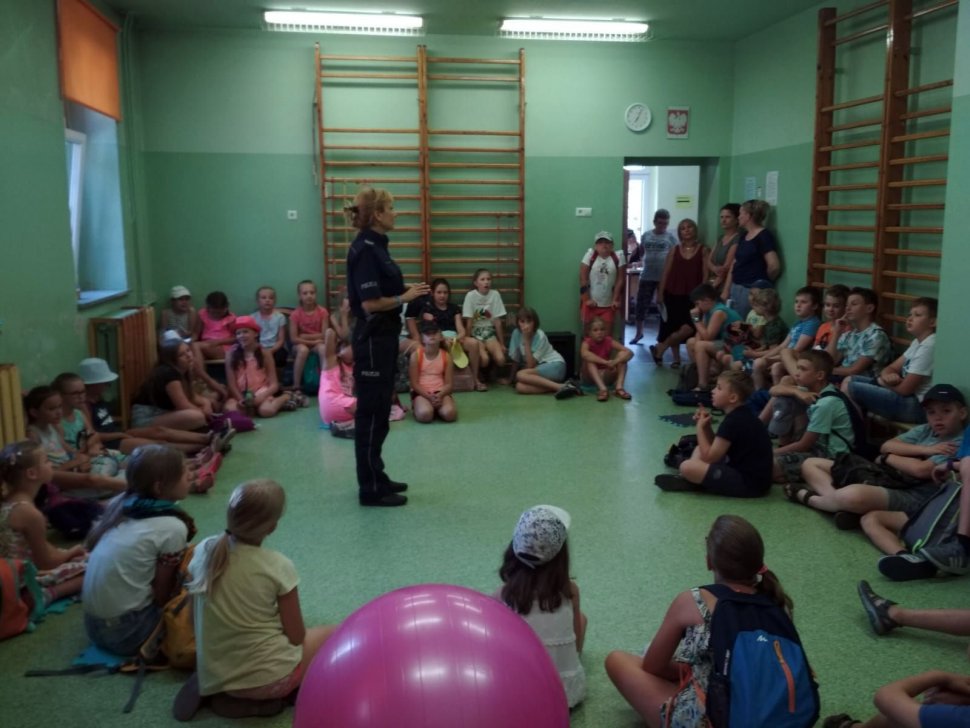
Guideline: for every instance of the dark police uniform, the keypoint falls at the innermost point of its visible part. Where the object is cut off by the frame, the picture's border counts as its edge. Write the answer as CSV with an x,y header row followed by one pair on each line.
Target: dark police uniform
x,y
371,274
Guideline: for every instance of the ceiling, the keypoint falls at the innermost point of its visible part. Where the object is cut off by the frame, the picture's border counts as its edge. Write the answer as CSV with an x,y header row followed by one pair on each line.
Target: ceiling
x,y
669,19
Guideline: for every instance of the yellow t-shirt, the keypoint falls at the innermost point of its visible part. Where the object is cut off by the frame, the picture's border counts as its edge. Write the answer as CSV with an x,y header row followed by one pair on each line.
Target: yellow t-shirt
x,y
239,637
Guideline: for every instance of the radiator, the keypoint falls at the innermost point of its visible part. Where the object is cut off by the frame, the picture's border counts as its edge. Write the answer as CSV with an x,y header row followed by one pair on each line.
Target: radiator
x,y
126,340
11,405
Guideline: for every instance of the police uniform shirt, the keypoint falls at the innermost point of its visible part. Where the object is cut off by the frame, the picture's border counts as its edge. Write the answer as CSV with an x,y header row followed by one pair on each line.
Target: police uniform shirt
x,y
372,274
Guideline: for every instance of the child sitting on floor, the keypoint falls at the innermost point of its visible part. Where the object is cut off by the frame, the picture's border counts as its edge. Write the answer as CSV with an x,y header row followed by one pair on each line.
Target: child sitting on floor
x,y
772,333
737,460
136,550
24,468
251,375
782,357
913,455
253,647
833,309
536,584
180,316
537,367
212,338
859,345
711,321
604,360
484,311
810,420
430,373
272,326
308,322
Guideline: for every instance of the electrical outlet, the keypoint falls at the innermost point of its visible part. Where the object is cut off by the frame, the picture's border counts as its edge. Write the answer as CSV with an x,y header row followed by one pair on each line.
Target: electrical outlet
x,y
584,212
291,215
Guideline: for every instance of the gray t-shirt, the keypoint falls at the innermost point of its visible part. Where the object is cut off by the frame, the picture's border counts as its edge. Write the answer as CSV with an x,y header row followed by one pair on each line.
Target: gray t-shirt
x,y
655,249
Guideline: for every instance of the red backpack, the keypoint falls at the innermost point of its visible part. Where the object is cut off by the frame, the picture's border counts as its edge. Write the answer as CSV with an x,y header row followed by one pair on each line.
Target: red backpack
x,y
21,600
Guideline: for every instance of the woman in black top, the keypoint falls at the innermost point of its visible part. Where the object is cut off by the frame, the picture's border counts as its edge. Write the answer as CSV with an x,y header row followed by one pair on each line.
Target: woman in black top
x,y
376,290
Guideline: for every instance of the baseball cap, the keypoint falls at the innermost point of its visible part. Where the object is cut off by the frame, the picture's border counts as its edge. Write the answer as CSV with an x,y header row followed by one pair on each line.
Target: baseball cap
x,y
603,235
170,337
944,393
179,292
95,371
246,322
540,534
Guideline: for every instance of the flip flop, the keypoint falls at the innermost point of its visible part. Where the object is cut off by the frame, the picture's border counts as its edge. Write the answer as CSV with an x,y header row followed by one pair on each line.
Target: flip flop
x,y
622,393
636,339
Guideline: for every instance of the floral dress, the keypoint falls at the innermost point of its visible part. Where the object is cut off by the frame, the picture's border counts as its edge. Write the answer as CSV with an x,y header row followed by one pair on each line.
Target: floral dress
x,y
684,710
13,545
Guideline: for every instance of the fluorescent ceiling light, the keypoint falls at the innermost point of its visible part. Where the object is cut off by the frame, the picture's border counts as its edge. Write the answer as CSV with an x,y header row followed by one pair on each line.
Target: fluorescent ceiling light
x,y
563,29
366,23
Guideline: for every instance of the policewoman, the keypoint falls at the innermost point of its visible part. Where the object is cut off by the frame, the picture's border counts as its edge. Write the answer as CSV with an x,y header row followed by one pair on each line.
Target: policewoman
x,y
375,287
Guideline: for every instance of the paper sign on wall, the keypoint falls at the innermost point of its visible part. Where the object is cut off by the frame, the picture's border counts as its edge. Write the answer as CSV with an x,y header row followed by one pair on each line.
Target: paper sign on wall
x,y
750,187
684,202
771,188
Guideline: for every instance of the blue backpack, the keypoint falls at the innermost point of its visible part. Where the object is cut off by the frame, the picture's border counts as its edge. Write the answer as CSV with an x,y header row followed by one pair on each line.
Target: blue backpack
x,y
761,677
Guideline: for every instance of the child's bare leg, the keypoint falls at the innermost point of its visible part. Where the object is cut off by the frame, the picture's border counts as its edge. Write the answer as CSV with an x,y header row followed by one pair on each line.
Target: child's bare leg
x,y
313,641
448,411
171,435
694,469
621,362
691,344
423,411
301,352
644,691
529,381
494,347
483,356
789,362
129,444
883,528
271,406
187,419
948,621
758,373
703,350
66,588
593,373
778,371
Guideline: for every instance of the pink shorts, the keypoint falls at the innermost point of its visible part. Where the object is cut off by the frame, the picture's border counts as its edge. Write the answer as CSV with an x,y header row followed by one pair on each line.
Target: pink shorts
x,y
279,689
333,402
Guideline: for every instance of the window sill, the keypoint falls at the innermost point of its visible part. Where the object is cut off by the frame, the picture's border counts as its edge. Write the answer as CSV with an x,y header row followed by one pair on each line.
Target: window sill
x,y
88,299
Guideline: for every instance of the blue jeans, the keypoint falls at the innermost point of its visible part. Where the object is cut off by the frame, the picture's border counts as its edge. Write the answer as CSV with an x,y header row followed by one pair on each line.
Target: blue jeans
x,y
739,299
884,402
123,635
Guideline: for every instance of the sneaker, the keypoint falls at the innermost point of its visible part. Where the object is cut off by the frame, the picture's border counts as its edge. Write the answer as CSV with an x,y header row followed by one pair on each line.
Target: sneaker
x,y
674,483
342,430
846,521
906,567
383,500
949,557
877,609
220,443
567,390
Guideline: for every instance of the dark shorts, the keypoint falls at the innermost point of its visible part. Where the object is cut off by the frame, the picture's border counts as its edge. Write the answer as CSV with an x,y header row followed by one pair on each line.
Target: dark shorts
x,y
910,499
791,462
722,479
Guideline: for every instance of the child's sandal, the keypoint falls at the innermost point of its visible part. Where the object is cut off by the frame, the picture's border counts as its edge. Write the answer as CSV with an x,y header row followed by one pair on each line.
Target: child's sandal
x,y
798,493
602,395
622,393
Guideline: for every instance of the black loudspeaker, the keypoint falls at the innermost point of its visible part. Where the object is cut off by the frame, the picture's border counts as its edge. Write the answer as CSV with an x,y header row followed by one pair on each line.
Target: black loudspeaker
x,y
565,343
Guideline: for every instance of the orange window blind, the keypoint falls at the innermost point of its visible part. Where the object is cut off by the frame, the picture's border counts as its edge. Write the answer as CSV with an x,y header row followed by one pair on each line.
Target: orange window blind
x,y
88,57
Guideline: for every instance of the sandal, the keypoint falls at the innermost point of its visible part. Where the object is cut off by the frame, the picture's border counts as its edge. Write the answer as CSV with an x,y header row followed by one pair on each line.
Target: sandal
x,y
622,393
602,395
636,339
842,720
658,359
481,387
798,493
877,609
675,365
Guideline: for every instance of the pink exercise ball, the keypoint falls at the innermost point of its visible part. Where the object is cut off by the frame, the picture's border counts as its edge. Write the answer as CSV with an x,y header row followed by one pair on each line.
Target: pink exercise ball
x,y
432,655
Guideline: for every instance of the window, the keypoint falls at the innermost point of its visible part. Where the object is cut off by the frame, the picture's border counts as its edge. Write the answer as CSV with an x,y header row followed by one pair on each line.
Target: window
x,y
94,200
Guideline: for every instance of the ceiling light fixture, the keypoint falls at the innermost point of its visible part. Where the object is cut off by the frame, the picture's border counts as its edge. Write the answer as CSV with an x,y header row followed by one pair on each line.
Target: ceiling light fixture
x,y
351,23
563,29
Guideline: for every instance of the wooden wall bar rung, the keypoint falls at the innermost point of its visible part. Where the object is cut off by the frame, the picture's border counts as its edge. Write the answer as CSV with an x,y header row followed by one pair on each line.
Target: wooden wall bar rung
x,y
354,130
435,244
362,74
853,103
838,188
446,181
842,268
468,132
920,160
917,206
924,87
894,318
389,59
921,135
899,296
372,147
935,111
935,8
848,228
397,229
480,213
475,165
861,34
844,248
374,181
845,207
459,261
471,150
857,11
912,229
851,145
363,163
477,61
937,182
855,124
480,198
473,79
844,167
914,253
492,230
911,276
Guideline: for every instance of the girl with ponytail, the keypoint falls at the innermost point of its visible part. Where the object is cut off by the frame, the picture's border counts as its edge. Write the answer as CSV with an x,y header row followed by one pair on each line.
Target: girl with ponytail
x,y
651,683
251,644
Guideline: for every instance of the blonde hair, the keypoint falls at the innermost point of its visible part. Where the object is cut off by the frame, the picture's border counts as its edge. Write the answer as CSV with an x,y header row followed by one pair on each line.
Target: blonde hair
x,y
757,209
368,201
255,507
766,298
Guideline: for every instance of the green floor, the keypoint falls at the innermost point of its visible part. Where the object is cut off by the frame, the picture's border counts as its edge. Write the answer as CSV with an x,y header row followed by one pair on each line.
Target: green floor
x,y
634,548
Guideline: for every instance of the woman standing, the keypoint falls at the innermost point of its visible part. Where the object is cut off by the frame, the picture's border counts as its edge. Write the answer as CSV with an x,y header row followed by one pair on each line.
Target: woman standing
x,y
756,263
375,287
684,270
722,254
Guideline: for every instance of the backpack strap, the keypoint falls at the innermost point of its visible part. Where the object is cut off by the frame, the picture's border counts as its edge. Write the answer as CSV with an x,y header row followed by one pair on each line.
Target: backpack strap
x,y
858,427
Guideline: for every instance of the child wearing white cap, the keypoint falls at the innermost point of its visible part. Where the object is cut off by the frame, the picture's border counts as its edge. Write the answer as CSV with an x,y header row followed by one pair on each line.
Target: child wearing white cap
x,y
536,584
601,277
180,315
